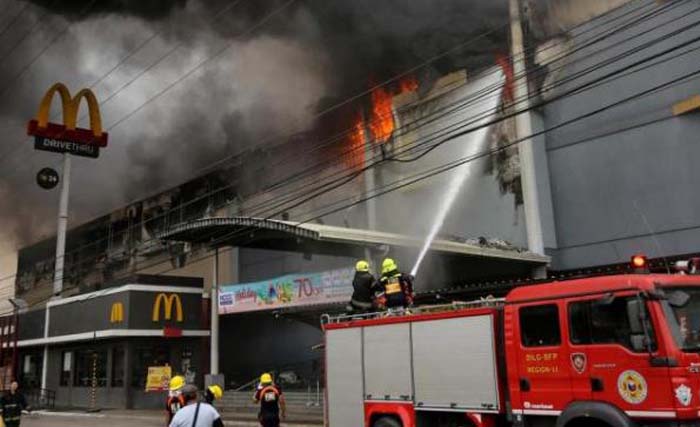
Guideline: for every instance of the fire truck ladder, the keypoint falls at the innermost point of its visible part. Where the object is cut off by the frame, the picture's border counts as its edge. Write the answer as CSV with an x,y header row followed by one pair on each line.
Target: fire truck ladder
x,y
440,308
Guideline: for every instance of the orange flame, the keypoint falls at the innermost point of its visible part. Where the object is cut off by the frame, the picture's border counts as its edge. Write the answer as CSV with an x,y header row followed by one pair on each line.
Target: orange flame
x,y
355,157
382,119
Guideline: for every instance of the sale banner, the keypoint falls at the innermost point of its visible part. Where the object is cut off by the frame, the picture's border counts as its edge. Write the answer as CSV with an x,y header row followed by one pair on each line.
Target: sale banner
x,y
292,290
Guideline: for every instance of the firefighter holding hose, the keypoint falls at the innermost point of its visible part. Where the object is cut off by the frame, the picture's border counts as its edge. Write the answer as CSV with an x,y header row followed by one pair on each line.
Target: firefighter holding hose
x,y
364,286
396,288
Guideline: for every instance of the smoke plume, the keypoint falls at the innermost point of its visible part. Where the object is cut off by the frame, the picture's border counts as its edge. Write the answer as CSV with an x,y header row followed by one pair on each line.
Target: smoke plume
x,y
271,81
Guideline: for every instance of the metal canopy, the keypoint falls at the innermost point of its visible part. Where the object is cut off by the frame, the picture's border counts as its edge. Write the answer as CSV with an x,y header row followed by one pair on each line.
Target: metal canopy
x,y
326,239
238,231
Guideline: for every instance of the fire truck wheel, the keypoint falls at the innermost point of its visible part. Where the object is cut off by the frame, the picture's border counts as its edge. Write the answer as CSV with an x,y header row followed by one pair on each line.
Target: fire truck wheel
x,y
387,422
593,414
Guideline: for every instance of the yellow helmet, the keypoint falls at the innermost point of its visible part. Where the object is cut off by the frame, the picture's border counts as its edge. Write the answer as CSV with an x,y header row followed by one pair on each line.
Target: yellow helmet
x,y
216,391
177,382
362,265
388,265
266,378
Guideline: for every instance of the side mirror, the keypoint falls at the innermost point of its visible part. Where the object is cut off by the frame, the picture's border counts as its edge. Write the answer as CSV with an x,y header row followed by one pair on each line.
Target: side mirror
x,y
638,342
634,315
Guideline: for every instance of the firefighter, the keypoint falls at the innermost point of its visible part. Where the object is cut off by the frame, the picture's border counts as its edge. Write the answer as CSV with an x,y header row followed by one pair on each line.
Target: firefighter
x,y
12,405
212,393
272,404
396,288
175,400
364,287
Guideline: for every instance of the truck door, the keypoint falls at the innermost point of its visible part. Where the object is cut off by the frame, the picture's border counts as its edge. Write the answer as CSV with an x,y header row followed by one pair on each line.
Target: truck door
x,y
617,358
543,365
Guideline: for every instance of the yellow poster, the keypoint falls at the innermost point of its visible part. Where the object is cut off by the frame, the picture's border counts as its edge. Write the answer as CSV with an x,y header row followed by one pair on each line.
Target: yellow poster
x,y
158,378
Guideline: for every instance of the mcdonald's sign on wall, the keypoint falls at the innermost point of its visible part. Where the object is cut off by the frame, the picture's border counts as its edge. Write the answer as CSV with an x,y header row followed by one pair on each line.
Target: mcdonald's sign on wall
x,y
168,303
67,137
116,314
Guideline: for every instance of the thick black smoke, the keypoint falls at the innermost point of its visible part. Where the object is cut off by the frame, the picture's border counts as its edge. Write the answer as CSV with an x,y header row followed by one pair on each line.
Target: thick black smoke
x,y
272,81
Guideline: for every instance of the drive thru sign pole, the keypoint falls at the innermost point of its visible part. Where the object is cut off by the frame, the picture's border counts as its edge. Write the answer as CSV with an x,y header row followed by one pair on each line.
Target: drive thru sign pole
x,y
62,226
60,255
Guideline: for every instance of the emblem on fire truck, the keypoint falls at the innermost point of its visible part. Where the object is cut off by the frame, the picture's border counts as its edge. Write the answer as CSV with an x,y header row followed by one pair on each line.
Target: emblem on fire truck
x,y
684,394
632,387
578,362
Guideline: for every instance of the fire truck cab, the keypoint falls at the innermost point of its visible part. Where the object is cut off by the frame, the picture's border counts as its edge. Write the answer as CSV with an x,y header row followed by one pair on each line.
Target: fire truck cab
x,y
610,351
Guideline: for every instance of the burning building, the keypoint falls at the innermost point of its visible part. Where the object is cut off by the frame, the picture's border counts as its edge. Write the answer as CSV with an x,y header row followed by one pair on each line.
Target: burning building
x,y
375,177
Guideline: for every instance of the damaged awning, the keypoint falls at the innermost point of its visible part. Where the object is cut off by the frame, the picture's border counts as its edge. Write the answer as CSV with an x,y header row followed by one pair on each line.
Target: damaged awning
x,y
447,261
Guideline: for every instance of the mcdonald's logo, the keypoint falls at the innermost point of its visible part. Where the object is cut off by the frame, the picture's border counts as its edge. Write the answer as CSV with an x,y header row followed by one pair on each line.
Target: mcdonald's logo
x,y
169,300
116,315
41,127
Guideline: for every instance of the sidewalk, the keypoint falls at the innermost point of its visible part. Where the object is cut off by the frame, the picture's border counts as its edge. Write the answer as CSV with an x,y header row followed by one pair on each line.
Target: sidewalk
x,y
151,416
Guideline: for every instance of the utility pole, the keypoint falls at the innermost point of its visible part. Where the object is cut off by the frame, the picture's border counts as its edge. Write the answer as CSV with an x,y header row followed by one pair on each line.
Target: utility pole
x,y
214,303
59,267
523,124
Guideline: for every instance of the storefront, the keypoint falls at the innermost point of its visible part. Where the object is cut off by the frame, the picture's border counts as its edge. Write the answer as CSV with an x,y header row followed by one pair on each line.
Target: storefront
x,y
101,344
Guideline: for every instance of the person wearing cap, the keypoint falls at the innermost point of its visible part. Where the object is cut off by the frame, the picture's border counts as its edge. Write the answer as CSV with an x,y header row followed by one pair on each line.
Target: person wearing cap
x,y
194,413
364,286
212,393
175,399
272,403
396,287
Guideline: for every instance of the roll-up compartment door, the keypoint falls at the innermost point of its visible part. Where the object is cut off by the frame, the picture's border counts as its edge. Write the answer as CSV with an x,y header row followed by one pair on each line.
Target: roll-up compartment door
x,y
344,377
454,363
387,361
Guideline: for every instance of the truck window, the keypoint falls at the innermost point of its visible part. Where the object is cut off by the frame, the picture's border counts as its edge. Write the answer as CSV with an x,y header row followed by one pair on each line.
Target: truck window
x,y
601,322
539,326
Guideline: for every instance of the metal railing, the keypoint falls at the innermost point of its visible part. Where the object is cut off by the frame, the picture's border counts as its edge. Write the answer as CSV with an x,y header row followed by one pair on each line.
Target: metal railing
x,y
41,398
455,305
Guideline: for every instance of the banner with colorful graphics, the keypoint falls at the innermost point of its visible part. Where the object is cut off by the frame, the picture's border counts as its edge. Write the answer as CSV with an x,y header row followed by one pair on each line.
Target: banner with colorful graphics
x,y
158,378
292,290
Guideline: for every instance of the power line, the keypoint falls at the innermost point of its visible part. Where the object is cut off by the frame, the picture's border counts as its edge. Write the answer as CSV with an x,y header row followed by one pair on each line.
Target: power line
x,y
448,166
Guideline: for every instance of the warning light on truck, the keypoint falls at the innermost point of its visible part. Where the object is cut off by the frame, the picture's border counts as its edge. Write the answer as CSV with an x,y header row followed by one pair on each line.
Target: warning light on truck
x,y
639,263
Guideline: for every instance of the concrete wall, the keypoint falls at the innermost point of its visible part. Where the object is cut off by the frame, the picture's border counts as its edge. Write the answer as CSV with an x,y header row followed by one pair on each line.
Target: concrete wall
x,y
612,188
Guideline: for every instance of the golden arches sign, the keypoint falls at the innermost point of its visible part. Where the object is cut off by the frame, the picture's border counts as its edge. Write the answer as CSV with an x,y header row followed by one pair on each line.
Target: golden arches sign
x,y
41,127
170,301
116,315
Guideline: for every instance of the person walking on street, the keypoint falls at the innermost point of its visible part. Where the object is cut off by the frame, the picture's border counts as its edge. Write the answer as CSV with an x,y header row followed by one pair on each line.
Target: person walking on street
x,y
272,404
194,413
12,405
364,287
396,287
175,399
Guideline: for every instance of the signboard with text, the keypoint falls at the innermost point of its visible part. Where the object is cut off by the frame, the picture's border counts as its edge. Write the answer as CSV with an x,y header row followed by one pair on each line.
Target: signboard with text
x,y
158,378
58,146
292,290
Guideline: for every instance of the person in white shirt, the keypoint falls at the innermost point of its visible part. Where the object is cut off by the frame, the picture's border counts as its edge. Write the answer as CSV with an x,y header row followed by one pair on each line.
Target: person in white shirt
x,y
195,414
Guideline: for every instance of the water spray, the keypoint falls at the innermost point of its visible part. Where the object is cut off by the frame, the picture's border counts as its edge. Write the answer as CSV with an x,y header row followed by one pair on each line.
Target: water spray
x,y
475,144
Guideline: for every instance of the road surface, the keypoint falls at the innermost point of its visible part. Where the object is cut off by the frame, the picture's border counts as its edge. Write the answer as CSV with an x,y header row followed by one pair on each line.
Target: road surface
x,y
115,419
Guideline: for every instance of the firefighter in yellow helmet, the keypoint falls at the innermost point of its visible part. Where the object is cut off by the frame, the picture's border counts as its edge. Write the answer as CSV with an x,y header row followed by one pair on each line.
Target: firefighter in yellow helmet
x,y
175,400
396,287
364,287
272,404
212,393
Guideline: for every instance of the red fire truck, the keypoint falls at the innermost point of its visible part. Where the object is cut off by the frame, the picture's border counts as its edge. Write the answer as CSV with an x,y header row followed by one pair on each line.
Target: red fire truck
x,y
609,351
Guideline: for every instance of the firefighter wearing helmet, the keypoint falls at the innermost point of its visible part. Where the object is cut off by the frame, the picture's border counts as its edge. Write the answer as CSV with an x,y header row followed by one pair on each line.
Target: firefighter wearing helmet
x,y
175,400
212,393
396,287
364,287
272,403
